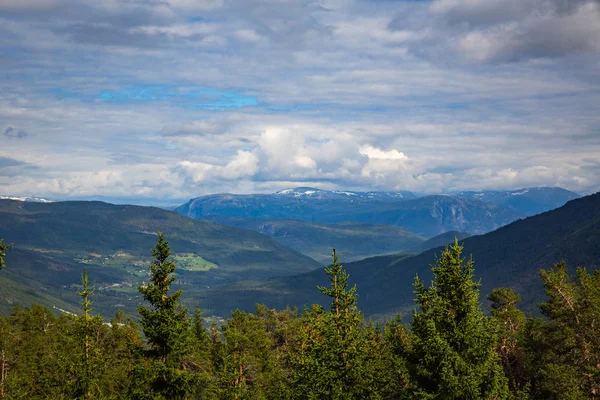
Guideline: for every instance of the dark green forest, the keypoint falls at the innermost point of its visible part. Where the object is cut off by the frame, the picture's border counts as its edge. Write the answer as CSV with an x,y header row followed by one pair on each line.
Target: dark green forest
x,y
451,349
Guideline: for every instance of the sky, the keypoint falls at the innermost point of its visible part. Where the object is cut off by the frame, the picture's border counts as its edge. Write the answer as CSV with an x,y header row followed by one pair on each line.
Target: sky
x,y
168,100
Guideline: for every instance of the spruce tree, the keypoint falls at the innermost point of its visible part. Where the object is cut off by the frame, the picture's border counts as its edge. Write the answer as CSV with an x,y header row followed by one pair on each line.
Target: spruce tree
x,y
452,354
332,359
167,330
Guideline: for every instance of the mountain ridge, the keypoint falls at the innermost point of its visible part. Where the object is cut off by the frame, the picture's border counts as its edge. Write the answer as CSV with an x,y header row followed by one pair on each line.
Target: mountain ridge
x,y
509,256
426,216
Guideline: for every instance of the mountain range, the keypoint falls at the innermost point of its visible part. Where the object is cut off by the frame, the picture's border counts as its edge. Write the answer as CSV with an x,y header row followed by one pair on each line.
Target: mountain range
x,y
508,257
243,260
428,216
529,201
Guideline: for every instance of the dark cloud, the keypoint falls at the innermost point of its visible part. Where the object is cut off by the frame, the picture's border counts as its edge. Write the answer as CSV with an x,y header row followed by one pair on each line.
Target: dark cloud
x,y
10,162
111,35
13,133
514,30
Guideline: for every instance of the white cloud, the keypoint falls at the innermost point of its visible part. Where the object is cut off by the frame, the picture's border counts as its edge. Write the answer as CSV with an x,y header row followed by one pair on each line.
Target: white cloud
x,y
378,154
244,164
284,150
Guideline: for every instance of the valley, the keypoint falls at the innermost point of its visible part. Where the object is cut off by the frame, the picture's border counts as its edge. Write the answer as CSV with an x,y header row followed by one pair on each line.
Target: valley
x,y
227,262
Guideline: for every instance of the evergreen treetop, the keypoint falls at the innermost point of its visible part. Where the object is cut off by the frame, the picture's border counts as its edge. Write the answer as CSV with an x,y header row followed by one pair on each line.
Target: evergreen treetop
x,y
453,353
165,324
168,333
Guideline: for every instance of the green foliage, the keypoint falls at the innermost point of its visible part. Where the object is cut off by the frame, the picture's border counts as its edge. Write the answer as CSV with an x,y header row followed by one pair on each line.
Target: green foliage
x,y
451,350
570,365
452,354
193,262
245,362
167,330
510,322
44,358
335,356
86,306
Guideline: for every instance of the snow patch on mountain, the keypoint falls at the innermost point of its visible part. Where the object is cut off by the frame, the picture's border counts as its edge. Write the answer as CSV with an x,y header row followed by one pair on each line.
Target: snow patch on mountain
x,y
27,199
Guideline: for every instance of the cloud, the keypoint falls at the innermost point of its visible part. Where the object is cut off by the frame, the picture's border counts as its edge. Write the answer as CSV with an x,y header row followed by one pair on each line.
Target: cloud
x,y
511,30
134,98
13,133
284,151
9,162
243,165
377,154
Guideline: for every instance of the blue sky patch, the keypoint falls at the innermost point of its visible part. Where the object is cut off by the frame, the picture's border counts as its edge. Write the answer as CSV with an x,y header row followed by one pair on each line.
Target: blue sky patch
x,y
210,99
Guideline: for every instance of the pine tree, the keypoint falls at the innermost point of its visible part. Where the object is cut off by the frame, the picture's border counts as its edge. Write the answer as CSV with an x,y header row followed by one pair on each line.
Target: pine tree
x,y
452,355
167,330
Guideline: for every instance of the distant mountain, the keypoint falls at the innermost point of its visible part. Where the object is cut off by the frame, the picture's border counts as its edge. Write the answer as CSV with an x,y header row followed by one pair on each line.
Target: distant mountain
x,y
510,256
358,240
426,216
437,241
55,241
26,198
312,193
432,215
529,201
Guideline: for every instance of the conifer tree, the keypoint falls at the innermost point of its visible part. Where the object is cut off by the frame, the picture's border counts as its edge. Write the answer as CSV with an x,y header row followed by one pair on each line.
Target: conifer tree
x,y
86,306
570,366
167,330
244,359
332,360
511,323
452,354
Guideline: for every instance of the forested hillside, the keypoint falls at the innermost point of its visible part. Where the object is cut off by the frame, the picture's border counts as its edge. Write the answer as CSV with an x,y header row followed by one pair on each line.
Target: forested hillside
x,y
452,350
55,241
510,256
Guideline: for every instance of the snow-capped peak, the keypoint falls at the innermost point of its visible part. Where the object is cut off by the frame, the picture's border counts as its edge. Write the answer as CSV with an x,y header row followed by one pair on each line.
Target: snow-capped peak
x,y
301,192
26,198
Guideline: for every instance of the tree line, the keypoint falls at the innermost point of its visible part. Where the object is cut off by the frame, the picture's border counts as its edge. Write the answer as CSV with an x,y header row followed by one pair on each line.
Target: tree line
x,y
450,350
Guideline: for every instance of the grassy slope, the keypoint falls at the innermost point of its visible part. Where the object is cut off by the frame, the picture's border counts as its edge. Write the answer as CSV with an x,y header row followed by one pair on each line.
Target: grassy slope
x,y
356,241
